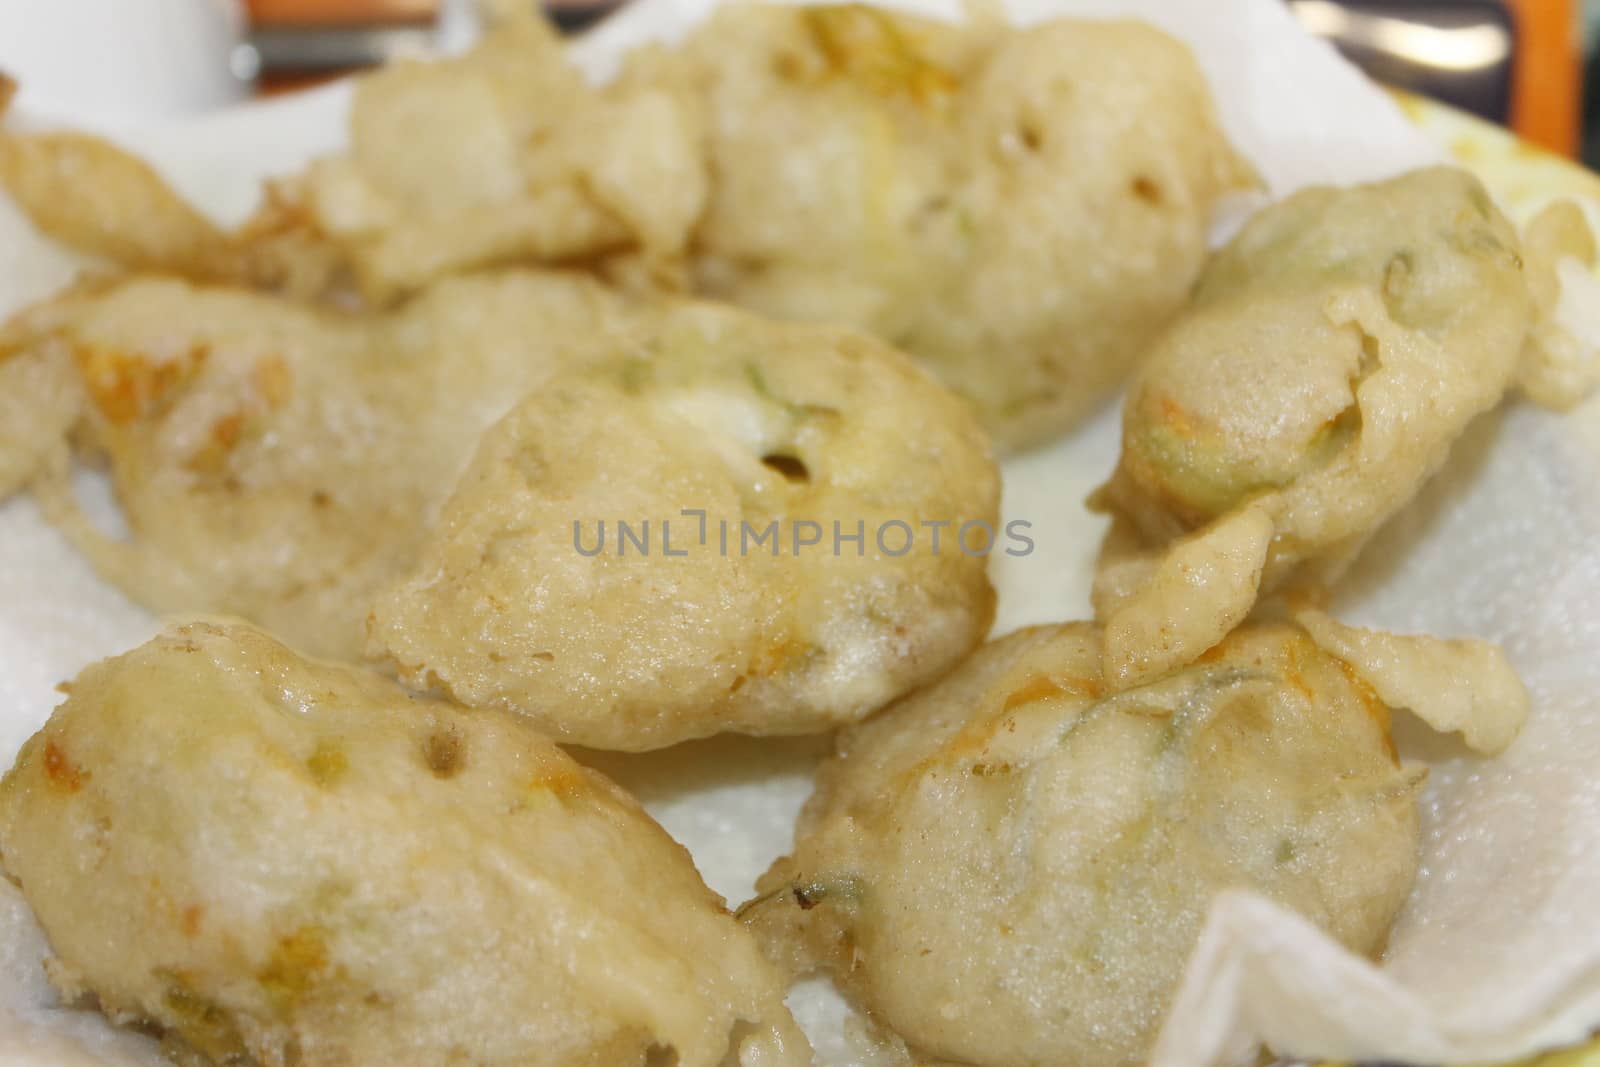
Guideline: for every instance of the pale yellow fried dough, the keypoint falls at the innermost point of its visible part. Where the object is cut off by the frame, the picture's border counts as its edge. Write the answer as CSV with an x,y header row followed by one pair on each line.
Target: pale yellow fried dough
x,y
1455,685
87,193
1022,209
1191,598
503,156
780,477
273,460
1010,867
275,861
41,399
1559,368
1332,354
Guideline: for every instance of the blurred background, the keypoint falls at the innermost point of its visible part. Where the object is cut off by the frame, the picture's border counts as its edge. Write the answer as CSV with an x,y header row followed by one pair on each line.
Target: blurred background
x,y
1517,62
1520,63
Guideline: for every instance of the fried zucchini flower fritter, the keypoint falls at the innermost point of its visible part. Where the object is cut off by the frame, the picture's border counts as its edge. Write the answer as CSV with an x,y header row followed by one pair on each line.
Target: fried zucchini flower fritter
x,y
1011,866
274,861
740,525
1020,208
1331,356
273,460
502,156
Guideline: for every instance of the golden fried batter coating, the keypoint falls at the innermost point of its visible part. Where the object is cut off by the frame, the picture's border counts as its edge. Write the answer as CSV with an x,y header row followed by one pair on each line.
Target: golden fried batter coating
x,y
1011,866
503,156
1020,208
90,194
272,460
1332,354
1559,367
277,861
40,400
777,572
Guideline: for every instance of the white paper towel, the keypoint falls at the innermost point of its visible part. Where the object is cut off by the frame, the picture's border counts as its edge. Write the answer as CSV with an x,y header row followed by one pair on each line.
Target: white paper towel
x,y
1497,954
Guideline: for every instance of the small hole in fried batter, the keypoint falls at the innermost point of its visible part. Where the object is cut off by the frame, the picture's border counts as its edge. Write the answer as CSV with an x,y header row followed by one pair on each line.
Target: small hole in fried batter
x,y
1371,355
660,1056
792,468
444,752
1148,190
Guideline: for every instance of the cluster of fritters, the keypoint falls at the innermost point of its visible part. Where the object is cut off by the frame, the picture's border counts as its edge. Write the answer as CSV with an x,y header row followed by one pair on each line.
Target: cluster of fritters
x,y
805,270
